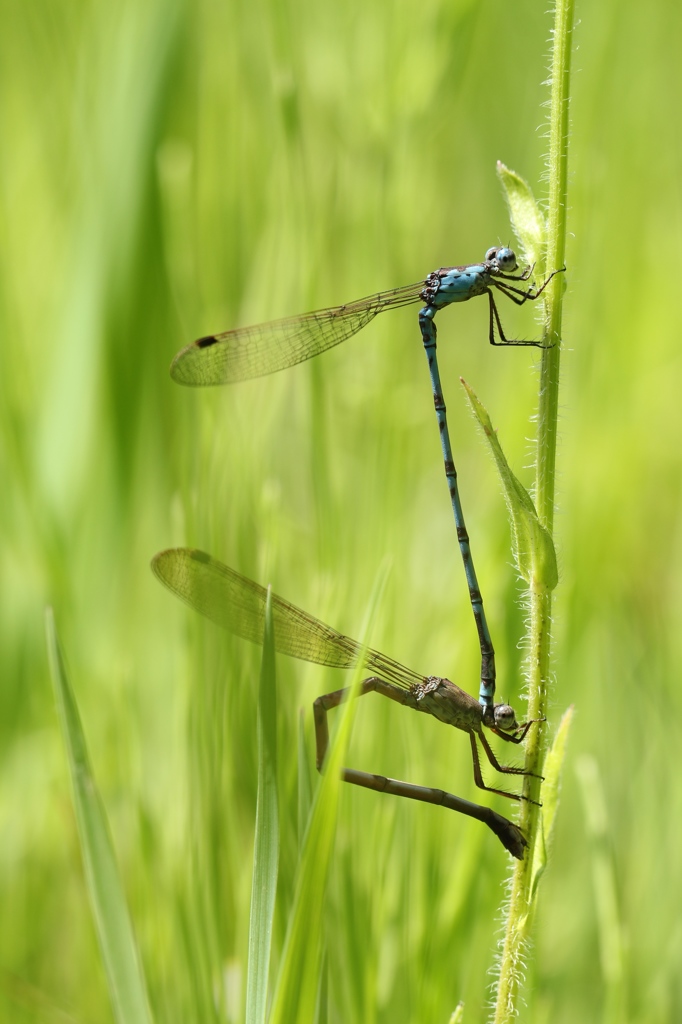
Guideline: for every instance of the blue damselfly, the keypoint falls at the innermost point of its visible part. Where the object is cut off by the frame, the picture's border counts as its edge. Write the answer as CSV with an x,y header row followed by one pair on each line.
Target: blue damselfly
x,y
247,352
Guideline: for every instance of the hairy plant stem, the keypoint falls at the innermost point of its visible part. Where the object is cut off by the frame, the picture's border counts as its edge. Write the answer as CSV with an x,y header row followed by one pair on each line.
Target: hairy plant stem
x,y
521,901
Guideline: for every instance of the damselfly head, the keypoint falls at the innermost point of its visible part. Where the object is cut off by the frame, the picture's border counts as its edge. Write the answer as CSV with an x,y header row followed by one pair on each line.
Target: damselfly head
x,y
504,258
505,719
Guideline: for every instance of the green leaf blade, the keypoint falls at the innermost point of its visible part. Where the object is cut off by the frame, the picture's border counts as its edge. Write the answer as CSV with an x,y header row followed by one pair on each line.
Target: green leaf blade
x,y
266,846
528,220
125,978
551,791
533,547
298,986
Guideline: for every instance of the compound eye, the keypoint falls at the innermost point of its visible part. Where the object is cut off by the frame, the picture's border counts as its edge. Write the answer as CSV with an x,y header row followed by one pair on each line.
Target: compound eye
x,y
505,718
506,259
491,254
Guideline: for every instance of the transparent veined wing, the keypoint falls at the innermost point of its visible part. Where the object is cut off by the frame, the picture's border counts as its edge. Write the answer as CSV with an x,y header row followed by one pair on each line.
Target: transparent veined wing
x,y
238,604
248,352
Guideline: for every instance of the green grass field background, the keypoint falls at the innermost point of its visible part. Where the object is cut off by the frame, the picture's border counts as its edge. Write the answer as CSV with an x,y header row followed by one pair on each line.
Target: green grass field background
x,y
170,169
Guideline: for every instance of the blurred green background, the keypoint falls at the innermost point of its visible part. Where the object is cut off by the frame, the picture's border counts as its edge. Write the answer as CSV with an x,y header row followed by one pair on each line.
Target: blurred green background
x,y
170,169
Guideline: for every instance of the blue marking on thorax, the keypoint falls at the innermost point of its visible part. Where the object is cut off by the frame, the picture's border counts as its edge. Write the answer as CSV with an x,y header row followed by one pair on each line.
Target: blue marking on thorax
x,y
460,284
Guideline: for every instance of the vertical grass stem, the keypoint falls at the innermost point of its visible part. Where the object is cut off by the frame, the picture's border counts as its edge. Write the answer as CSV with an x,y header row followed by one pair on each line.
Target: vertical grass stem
x,y
520,908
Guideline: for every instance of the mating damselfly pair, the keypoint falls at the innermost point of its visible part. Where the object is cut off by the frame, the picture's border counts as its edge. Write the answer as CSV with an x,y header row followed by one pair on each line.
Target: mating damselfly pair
x,y
237,603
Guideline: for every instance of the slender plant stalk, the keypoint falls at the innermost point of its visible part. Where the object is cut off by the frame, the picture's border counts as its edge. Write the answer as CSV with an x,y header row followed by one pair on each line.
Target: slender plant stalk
x,y
520,908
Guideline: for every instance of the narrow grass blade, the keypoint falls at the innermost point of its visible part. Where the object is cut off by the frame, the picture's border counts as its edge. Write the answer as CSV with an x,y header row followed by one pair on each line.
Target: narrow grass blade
x,y
114,929
612,942
551,789
298,984
266,849
322,1016
528,220
458,1016
305,792
533,546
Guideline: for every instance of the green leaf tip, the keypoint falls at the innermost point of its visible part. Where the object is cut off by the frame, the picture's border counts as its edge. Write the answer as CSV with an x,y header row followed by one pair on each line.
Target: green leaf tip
x,y
528,221
297,992
551,789
533,546
127,989
266,840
